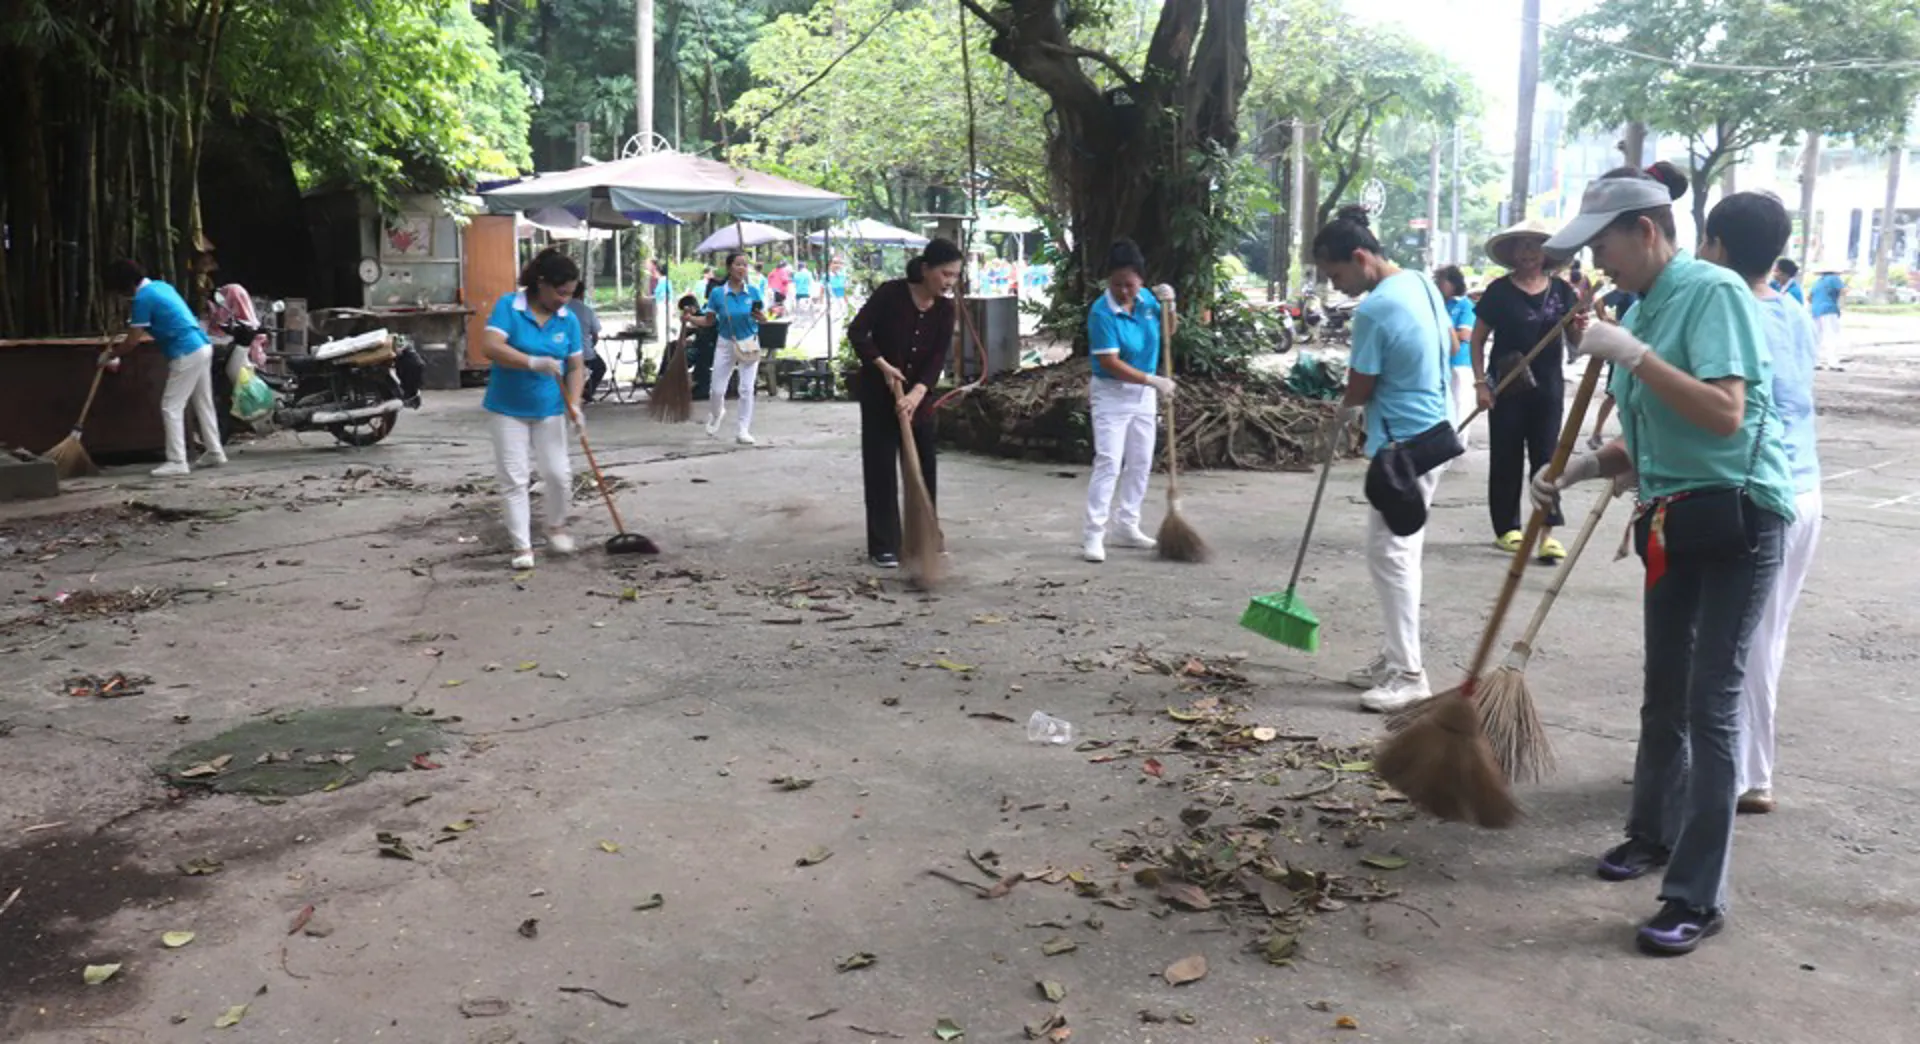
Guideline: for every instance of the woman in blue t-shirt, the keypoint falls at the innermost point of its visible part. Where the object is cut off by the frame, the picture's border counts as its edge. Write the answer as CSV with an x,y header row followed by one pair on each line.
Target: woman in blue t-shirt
x,y
1123,333
1693,379
735,309
1453,285
1745,232
533,340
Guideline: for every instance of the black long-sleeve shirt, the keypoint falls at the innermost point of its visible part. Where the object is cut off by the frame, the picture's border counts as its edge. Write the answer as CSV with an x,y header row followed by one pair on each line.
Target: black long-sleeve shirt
x,y
891,326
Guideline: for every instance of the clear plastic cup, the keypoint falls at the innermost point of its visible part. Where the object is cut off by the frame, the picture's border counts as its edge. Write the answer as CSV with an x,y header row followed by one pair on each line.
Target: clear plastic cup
x,y
1045,728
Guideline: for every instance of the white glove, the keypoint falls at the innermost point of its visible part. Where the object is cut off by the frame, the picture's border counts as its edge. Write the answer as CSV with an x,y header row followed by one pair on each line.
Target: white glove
x,y
1545,492
546,364
1613,344
1624,483
1164,293
1350,415
1596,440
1163,385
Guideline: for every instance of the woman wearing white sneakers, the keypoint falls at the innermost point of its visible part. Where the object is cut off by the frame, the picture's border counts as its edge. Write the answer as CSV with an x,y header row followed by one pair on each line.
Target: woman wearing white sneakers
x,y
1123,332
736,306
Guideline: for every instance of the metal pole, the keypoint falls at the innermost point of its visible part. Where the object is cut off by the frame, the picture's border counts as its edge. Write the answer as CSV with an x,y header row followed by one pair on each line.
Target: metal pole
x,y
1433,203
643,72
1523,125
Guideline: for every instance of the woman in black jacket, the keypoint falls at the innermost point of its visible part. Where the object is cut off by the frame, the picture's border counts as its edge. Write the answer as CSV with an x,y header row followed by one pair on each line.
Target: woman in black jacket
x,y
901,335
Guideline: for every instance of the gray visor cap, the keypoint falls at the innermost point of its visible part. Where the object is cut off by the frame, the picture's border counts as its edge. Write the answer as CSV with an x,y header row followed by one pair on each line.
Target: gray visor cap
x,y
1604,200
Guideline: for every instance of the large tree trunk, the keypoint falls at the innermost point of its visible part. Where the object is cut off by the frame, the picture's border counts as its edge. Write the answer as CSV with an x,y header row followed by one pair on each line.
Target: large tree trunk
x,y
1809,175
1633,144
1883,256
1523,121
1124,158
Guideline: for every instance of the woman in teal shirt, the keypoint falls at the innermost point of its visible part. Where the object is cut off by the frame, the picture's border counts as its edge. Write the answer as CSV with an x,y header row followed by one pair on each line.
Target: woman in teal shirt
x,y
1693,380
1453,285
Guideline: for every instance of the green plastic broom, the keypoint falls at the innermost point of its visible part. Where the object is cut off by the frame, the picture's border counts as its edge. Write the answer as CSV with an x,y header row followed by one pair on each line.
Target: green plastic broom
x,y
1283,617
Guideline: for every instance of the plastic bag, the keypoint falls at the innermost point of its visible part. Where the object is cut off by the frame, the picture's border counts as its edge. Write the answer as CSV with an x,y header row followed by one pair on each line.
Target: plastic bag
x,y
252,399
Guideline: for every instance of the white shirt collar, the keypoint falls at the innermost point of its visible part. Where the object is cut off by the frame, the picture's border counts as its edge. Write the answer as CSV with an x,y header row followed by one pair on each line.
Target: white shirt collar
x,y
520,303
1114,304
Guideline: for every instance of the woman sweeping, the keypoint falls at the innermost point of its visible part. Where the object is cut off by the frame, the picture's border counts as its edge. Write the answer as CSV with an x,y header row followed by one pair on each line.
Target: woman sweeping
x,y
1123,332
735,308
901,335
533,341
1745,232
1523,425
1702,438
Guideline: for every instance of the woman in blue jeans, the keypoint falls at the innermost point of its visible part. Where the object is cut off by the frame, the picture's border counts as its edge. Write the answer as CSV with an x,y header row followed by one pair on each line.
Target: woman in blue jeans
x,y
1693,380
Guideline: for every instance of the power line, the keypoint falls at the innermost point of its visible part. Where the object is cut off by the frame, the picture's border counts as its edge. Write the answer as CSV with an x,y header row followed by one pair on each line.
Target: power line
x,y
1845,65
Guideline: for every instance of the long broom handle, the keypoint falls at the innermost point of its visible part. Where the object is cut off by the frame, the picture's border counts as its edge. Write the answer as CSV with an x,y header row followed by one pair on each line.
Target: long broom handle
x,y
587,448
1586,302
1326,469
910,450
1523,648
87,407
1173,449
1569,434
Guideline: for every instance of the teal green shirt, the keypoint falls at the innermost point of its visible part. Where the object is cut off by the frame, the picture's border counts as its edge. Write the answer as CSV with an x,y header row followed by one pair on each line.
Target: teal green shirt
x,y
1702,319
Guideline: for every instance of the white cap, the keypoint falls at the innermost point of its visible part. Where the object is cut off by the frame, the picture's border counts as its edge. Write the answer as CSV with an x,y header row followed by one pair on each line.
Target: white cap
x,y
1604,200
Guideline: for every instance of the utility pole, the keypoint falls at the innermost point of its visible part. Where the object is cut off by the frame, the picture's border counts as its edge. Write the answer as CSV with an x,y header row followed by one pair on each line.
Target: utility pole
x,y
1633,144
1884,255
1809,175
1433,203
1277,253
582,144
643,71
1455,255
1523,124
1296,194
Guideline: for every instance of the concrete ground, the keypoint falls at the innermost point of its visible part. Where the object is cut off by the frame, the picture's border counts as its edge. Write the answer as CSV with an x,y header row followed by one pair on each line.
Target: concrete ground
x,y
760,646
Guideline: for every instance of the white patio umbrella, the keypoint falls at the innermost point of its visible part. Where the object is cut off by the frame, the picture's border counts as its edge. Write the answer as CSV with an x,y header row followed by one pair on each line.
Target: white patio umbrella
x,y
741,235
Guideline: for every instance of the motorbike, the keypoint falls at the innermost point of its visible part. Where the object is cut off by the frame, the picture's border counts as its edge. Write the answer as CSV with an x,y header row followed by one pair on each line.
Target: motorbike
x,y
1337,325
353,387
1301,320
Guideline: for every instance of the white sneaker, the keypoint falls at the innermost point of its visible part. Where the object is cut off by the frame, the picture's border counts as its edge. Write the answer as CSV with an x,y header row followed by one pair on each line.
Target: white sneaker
x,y
211,460
171,469
559,544
1396,693
744,439
1131,536
1094,550
523,560
713,424
1372,676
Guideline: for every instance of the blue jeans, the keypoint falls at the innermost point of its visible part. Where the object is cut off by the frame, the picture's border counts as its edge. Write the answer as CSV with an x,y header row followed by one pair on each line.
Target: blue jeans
x,y
1700,619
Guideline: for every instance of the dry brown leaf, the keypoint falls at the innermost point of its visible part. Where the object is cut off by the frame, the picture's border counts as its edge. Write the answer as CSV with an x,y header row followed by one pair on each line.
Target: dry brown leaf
x,y
1186,970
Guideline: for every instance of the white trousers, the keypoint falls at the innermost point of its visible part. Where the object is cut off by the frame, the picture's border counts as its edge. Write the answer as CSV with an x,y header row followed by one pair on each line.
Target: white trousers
x,y
724,363
1123,428
1465,400
189,378
1828,329
1769,650
1394,562
520,442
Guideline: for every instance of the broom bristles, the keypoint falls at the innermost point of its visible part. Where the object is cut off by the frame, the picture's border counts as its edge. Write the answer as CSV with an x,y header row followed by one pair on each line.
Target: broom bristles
x,y
1512,725
921,539
672,398
1178,541
70,459
1443,764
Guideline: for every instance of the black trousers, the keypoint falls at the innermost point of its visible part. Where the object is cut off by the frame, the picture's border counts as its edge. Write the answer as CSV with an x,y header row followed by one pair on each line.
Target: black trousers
x,y
880,461
596,370
1523,429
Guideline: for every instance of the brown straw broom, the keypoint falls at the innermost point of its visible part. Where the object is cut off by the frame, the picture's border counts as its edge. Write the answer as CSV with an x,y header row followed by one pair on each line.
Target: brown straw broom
x,y
922,540
1443,759
1177,540
1521,745
69,457
672,398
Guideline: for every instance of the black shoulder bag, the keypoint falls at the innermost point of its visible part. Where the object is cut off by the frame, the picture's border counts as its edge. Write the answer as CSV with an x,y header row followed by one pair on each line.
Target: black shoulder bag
x,y
1393,476
1706,525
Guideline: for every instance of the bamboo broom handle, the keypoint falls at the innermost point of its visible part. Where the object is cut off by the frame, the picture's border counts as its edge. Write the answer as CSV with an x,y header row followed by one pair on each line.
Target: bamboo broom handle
x,y
1586,302
1173,449
1569,434
1523,648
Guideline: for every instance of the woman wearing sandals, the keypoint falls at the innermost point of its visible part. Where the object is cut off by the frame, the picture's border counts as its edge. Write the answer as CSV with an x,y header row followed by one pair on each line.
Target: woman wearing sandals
x,y
1694,384
901,335
533,341
1523,425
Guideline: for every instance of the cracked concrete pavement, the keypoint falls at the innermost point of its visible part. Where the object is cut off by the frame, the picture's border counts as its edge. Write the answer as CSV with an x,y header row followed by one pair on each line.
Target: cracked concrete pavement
x,y
761,645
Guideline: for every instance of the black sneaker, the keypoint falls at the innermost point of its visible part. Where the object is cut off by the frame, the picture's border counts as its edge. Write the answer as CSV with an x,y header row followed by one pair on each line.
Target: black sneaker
x,y
1678,930
886,561
1630,859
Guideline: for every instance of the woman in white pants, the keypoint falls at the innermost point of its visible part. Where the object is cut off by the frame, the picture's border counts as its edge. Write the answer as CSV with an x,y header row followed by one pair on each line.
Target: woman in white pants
x,y
736,306
1746,232
161,315
1123,332
534,342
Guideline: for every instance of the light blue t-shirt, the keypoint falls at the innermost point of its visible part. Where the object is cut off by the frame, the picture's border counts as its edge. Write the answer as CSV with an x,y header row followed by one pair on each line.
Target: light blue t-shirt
x,y
1826,295
802,283
1796,353
663,290
1132,336
523,393
160,310
1791,288
1460,314
735,310
1703,319
1399,340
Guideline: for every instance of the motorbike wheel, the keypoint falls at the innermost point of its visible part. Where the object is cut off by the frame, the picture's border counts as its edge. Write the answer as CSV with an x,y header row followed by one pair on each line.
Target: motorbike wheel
x,y
364,432
1286,340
